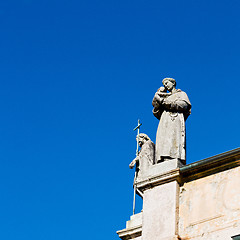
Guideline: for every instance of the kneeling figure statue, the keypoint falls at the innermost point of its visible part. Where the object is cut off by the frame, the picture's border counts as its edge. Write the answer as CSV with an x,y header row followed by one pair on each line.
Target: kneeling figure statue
x,y
145,157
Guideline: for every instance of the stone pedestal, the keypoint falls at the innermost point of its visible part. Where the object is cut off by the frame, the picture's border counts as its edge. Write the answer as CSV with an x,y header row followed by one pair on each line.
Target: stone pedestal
x,y
158,170
160,213
159,217
161,200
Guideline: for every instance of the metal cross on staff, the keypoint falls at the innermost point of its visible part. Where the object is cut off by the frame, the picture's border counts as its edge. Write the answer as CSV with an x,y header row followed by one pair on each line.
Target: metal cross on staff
x,y
135,175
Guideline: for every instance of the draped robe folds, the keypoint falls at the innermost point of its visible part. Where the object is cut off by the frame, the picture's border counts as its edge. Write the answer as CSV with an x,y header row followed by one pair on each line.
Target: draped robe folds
x,y
171,137
146,157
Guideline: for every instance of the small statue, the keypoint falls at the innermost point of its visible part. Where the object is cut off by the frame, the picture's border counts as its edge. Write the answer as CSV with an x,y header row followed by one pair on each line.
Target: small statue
x,y
146,155
172,108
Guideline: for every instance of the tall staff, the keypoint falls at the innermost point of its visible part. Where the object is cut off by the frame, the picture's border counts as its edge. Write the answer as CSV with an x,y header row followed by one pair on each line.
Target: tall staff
x,y
135,175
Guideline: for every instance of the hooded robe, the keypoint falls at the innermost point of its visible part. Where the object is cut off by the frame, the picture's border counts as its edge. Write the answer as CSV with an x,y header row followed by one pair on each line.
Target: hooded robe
x,y
171,137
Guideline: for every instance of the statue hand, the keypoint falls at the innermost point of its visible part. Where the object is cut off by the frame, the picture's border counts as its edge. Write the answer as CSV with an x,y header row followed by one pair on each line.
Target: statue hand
x,y
167,104
131,165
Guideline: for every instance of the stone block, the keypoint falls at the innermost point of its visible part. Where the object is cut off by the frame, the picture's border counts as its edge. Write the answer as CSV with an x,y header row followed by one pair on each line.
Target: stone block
x,y
135,220
160,212
160,168
133,228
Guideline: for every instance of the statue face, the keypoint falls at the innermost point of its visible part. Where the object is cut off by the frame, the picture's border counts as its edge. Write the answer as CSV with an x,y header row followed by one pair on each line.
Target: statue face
x,y
168,85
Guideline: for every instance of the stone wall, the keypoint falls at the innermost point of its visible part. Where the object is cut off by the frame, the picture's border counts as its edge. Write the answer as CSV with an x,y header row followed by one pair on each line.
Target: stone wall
x,y
209,207
199,201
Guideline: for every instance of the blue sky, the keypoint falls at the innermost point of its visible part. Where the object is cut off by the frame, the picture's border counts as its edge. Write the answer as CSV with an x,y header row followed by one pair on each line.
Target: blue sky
x,y
75,77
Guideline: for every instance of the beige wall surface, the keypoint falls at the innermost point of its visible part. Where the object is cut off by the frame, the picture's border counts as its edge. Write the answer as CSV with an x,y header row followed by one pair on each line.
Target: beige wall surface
x,y
209,207
199,201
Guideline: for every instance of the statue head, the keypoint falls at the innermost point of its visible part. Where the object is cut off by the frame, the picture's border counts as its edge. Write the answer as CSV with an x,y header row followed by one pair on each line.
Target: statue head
x,y
143,138
169,83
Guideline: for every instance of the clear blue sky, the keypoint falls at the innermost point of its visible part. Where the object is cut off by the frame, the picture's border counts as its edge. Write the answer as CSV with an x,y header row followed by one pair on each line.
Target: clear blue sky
x,y
75,77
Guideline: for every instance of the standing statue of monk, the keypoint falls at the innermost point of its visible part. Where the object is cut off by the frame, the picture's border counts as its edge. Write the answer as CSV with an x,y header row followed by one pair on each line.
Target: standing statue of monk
x,y
172,107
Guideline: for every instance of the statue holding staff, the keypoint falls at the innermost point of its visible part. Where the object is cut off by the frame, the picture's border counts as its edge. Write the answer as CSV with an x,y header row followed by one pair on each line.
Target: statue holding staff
x,y
145,158
172,108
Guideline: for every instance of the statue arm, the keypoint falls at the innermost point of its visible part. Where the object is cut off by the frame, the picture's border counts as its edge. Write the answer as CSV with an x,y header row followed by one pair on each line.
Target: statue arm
x,y
179,105
182,105
134,161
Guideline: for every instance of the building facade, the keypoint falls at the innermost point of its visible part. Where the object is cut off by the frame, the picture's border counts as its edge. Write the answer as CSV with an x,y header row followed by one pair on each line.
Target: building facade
x,y
198,201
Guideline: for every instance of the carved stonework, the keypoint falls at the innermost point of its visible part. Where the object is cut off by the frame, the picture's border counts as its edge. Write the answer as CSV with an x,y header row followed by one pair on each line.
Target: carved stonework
x,y
145,157
172,109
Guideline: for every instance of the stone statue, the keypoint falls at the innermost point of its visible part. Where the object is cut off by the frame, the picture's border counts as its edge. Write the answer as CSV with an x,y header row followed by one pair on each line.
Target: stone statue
x,y
146,155
172,108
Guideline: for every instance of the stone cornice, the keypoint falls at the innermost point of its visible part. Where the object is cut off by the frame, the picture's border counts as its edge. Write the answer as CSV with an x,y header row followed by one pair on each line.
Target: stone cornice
x,y
130,233
193,171
159,179
211,165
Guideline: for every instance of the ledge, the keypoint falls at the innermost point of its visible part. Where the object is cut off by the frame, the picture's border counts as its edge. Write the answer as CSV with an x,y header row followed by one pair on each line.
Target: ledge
x,y
211,165
130,233
159,179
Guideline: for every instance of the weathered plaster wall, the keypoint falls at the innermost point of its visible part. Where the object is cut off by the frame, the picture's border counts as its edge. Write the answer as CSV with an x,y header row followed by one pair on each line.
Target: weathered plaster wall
x,y
206,206
209,207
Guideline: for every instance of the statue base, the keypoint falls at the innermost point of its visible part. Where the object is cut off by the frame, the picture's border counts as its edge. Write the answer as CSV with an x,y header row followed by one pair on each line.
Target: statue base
x,y
160,188
159,168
